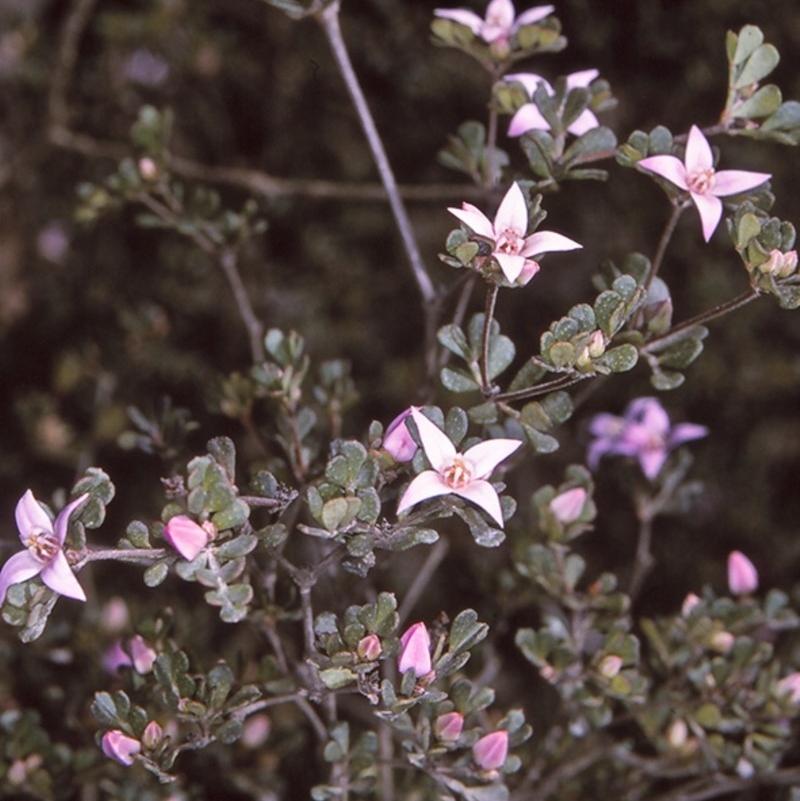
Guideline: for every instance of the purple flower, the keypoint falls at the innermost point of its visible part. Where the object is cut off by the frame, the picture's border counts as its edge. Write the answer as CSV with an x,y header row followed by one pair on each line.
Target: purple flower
x,y
397,441
500,22
644,431
44,554
742,574
460,474
136,653
529,118
697,176
415,651
490,751
120,747
512,250
185,536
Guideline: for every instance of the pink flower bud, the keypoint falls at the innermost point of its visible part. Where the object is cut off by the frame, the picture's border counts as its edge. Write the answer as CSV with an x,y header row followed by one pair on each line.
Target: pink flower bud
x,y
256,730
689,603
369,648
677,733
490,751
142,655
742,575
448,727
185,536
779,264
120,747
567,507
152,735
415,651
397,440
609,666
722,641
790,685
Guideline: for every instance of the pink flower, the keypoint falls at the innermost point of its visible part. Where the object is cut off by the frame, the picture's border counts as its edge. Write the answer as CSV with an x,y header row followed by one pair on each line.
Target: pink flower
x,y
369,648
696,175
136,653
490,751
499,23
644,431
742,574
415,651
455,473
567,507
510,247
397,441
790,685
185,536
529,118
120,747
448,727
44,557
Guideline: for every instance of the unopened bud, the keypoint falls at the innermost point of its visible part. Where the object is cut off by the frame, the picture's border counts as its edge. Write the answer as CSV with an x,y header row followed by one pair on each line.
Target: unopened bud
x,y
609,666
677,733
567,507
790,685
369,648
779,264
722,641
742,574
415,651
118,746
689,603
448,727
490,751
148,169
529,269
152,735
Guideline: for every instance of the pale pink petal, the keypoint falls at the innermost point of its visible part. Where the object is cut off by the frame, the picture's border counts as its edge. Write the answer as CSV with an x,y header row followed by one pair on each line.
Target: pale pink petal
x,y
120,747
667,167
500,15
511,265
475,219
62,518
490,752
742,574
530,80
485,456
31,517
584,122
685,432
527,118
462,17
568,506
650,414
58,576
652,460
512,213
185,536
482,494
548,242
415,651
698,152
581,79
20,567
710,208
533,15
436,444
731,182
427,484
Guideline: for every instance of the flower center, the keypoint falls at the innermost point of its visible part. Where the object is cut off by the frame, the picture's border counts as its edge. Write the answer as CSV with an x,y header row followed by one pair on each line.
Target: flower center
x,y
701,182
509,241
457,474
43,545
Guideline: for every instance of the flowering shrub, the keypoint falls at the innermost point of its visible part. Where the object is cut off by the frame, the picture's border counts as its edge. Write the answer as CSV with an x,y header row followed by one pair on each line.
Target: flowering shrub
x,y
248,633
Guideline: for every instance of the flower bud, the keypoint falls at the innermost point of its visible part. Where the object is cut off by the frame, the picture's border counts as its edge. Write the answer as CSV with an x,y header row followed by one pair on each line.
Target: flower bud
x,y
448,727
779,264
722,641
529,269
790,685
397,440
677,733
609,666
369,648
742,574
120,747
142,655
152,735
415,651
255,731
185,536
490,751
689,603
148,169
567,507
114,617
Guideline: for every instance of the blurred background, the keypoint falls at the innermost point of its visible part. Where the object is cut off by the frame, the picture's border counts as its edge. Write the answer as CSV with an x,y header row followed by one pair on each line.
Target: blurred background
x,y
94,318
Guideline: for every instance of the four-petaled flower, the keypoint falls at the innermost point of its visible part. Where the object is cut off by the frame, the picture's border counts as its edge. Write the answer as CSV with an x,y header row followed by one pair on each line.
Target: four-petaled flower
x,y
512,250
529,118
462,474
500,22
697,176
44,555
644,431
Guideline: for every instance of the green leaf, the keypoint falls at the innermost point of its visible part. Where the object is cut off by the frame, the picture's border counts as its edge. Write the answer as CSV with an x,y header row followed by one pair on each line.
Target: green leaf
x,y
232,516
619,359
595,140
453,338
224,452
750,37
456,380
760,64
765,101
338,513
155,574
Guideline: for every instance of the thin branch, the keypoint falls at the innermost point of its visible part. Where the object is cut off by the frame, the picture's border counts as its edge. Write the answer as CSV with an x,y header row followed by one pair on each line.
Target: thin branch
x,y
491,301
538,390
329,18
643,560
718,785
424,575
666,235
